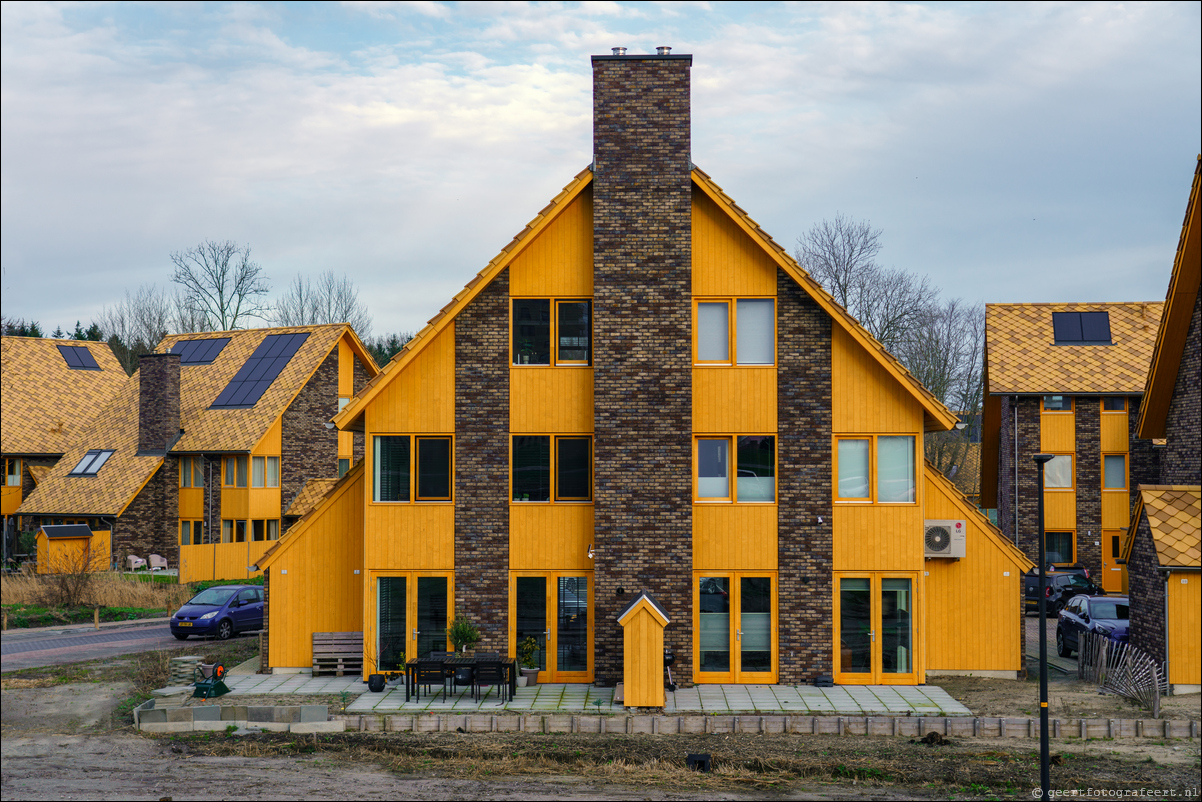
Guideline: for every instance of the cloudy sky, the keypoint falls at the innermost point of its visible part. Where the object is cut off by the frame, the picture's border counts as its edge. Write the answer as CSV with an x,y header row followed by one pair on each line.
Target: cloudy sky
x,y
1031,152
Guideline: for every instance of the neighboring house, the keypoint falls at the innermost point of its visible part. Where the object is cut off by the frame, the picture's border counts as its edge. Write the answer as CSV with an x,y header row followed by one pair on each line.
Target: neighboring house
x,y
1164,557
1067,379
50,391
208,444
644,392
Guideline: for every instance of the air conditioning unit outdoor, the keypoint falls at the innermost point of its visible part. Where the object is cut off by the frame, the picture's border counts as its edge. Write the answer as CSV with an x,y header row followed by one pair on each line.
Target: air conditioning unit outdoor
x,y
944,538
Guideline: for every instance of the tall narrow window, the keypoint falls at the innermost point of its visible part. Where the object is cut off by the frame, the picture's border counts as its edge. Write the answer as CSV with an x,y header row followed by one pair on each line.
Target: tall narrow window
x,y
1058,472
235,471
12,473
713,332
713,468
895,469
271,472
531,331
1114,472
390,474
185,533
854,474
344,465
757,468
227,531
273,529
532,468
256,472
755,336
258,530
239,531
573,332
573,466
433,468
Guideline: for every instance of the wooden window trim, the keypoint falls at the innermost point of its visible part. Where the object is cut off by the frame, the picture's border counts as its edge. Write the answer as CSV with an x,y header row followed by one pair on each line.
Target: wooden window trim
x,y
554,302
1126,488
1072,533
1072,405
732,452
872,469
226,479
732,323
554,477
413,438
1123,411
733,576
1072,487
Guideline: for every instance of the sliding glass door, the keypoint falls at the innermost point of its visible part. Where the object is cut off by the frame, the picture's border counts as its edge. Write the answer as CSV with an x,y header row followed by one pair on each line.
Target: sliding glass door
x,y
412,614
555,610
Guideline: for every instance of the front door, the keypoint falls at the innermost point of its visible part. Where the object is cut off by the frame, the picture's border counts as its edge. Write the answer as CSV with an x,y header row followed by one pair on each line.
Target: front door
x,y
734,636
412,615
1112,551
555,610
874,629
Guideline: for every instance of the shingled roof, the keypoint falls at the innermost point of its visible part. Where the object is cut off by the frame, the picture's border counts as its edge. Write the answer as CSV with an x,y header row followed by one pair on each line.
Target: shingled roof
x,y
1173,515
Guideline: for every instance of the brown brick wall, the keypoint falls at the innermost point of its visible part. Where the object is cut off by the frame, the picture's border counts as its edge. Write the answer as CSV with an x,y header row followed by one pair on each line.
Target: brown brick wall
x,y
360,380
158,402
804,485
150,524
212,502
642,247
1147,593
1087,415
1144,467
265,634
482,463
1181,463
1005,470
1028,475
309,448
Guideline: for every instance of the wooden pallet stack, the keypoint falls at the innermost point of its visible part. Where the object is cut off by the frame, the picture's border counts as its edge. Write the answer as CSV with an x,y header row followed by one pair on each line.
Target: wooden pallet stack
x,y
337,653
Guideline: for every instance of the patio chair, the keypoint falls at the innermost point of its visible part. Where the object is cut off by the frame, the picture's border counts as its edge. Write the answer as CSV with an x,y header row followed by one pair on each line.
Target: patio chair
x,y
490,673
158,563
429,672
135,562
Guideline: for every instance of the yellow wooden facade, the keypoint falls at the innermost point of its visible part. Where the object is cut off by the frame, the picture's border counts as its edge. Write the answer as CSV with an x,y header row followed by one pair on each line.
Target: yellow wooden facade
x,y
1185,622
71,555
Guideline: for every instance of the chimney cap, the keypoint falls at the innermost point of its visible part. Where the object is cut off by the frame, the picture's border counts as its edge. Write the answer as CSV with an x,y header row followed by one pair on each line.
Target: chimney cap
x,y
619,51
663,50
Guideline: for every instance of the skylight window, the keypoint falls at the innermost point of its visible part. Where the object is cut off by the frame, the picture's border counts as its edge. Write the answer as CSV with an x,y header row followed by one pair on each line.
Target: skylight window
x,y
1081,328
92,462
264,365
199,352
78,357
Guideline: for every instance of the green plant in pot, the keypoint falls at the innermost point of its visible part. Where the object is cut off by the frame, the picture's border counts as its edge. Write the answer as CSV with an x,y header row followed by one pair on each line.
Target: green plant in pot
x,y
462,633
527,650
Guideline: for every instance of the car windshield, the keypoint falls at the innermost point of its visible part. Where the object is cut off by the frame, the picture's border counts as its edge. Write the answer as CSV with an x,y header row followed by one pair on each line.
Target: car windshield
x,y
1110,610
1078,581
213,597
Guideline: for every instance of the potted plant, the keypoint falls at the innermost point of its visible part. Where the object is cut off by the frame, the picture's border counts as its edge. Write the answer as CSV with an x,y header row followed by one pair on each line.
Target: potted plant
x,y
391,655
462,633
529,665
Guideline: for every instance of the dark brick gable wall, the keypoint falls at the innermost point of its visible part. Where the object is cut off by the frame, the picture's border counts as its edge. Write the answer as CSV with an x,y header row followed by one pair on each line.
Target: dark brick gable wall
x,y
1145,588
212,501
1028,475
804,485
1005,470
482,463
308,448
1087,416
358,382
642,250
1181,463
150,523
1144,468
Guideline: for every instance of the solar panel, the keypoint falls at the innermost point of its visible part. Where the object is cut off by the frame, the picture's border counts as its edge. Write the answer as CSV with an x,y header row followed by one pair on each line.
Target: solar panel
x,y
1081,328
1095,326
259,371
78,357
199,352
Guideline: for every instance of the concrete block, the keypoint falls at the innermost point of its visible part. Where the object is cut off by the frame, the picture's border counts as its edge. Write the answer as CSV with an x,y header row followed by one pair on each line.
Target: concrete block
x,y
173,690
372,724
286,715
168,726
256,714
400,723
479,724
234,713
721,724
426,723
313,713
454,723
215,726
206,713
692,725
508,723
153,717
302,727
959,726
829,725
179,714
908,727
559,723
667,725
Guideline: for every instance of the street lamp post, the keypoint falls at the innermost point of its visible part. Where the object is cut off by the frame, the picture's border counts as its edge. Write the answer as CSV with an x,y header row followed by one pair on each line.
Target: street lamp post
x,y
1045,780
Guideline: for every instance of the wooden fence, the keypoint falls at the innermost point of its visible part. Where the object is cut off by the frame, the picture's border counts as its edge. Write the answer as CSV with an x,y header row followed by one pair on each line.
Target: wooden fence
x,y
1121,669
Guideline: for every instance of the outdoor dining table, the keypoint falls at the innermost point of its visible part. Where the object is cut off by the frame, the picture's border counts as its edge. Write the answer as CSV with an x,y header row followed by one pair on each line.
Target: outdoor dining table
x,y
508,664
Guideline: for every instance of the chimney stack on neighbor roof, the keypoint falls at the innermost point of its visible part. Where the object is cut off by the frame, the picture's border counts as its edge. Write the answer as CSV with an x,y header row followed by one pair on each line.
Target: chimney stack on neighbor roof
x,y
619,51
158,402
663,50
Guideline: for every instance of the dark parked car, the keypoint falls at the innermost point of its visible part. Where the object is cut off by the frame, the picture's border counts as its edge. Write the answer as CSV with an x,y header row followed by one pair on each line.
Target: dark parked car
x,y
220,612
1109,616
1060,588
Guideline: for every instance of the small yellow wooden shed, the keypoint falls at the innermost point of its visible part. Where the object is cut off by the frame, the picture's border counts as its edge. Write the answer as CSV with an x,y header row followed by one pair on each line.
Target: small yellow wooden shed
x,y
71,549
643,623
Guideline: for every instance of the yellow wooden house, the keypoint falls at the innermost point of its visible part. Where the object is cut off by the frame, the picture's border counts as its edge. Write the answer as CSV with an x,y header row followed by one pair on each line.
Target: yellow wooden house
x,y
211,444
652,400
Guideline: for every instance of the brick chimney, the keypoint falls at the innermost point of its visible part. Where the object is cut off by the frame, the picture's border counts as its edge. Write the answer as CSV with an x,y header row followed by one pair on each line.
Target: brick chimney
x,y
158,402
642,319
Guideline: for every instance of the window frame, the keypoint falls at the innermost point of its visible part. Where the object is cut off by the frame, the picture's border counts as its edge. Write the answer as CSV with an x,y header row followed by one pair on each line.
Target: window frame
x,y
732,456
553,468
1126,472
1072,539
193,524
241,469
732,327
263,460
1045,411
101,454
413,468
9,464
554,301
1072,472
873,465
190,466
1120,398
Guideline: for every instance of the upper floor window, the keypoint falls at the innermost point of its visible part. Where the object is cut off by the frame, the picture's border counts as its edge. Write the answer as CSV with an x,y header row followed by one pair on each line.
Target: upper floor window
x,y
1058,473
1114,403
91,462
344,465
876,468
12,472
234,473
1057,403
735,331
191,473
265,530
1081,328
754,468
1114,472
546,467
404,470
550,331
265,472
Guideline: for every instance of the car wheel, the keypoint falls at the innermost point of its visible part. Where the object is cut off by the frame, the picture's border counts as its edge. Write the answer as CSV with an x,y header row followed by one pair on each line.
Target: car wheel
x,y
180,635
1062,647
225,630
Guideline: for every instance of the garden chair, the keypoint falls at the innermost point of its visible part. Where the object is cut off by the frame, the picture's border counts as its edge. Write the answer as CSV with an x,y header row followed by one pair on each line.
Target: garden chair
x,y
158,563
490,673
135,562
429,672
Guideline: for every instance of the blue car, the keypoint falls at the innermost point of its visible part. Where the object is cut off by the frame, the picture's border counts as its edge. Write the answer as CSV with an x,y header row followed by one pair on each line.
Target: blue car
x,y
220,612
1108,616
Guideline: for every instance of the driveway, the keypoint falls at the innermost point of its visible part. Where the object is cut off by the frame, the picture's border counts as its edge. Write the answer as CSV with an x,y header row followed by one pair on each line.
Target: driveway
x,y
48,647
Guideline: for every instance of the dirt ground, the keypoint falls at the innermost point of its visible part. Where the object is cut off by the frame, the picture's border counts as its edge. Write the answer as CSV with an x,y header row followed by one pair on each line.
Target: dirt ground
x,y
1067,698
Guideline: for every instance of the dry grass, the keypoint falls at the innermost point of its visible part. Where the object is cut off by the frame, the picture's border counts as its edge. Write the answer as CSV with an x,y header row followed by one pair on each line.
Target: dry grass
x,y
107,589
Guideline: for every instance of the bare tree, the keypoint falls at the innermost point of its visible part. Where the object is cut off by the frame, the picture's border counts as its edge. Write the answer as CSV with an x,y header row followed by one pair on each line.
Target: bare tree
x,y
135,324
841,254
221,283
329,299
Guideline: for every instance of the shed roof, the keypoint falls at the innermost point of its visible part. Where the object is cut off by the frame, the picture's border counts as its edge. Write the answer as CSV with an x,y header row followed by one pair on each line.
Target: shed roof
x,y
646,600
66,531
310,495
1173,515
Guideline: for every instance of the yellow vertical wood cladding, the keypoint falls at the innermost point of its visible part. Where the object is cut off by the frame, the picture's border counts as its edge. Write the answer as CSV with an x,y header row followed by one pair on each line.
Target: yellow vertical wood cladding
x,y
1114,432
272,442
642,673
195,564
422,399
725,260
1116,509
864,397
1185,628
737,400
346,369
551,399
1057,432
316,575
10,499
877,537
230,560
734,537
409,537
559,262
191,502
550,537
235,503
957,591
264,503
1059,510
70,555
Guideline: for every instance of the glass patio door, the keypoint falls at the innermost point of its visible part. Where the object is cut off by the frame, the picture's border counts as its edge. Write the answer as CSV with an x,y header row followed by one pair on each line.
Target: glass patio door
x,y
554,609
412,612
734,637
874,629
